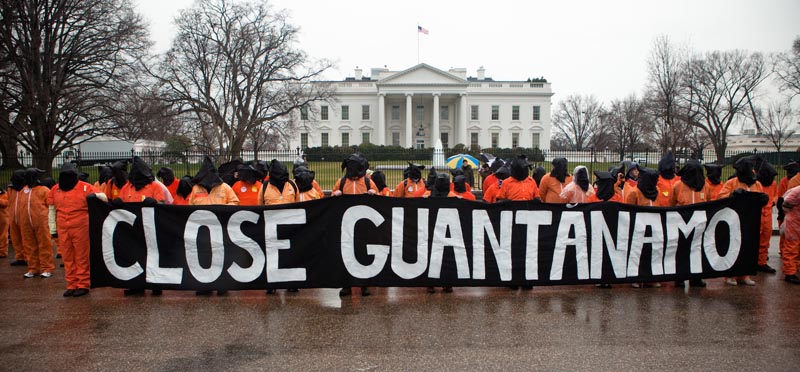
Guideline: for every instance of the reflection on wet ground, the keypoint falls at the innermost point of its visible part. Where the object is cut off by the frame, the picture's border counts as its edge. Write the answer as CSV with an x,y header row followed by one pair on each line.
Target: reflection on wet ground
x,y
719,328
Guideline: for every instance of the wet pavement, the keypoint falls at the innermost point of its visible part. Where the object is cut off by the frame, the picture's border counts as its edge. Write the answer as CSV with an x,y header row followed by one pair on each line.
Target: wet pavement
x,y
575,328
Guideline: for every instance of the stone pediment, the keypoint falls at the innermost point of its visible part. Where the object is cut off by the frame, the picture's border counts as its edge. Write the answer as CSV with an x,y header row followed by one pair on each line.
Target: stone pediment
x,y
423,74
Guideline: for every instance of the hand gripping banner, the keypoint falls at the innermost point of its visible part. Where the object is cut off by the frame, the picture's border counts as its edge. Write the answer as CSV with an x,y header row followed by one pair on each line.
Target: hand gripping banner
x,y
380,241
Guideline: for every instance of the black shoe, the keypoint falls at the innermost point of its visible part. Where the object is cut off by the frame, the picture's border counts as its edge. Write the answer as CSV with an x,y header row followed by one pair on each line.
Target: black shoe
x,y
765,269
156,292
447,289
431,290
19,263
793,279
365,291
206,292
69,293
699,283
270,291
680,284
292,290
131,292
345,291
604,285
80,292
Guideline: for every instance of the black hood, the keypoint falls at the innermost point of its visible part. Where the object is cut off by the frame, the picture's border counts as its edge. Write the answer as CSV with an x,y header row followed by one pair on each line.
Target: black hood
x,y
714,173
538,173
103,174
503,173
581,177
32,177
299,162
249,174
68,177
414,171
441,187
605,184
119,173
619,169
184,187
559,170
791,168
429,183
355,166
666,166
692,175
496,164
17,179
83,176
520,168
278,174
629,174
262,167
49,182
460,184
766,174
166,175
208,175
744,171
648,179
141,174
227,171
304,179
379,178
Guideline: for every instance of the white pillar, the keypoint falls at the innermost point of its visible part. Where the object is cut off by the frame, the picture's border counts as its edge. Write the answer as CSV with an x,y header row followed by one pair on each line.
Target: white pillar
x,y
462,120
435,129
409,117
381,132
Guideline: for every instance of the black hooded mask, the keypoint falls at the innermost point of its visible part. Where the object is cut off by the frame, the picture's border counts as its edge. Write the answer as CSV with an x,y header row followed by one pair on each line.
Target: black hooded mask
x,y
791,168
766,174
208,175
261,167
304,179
713,173
605,184
559,170
496,164
429,183
49,182
414,171
103,174
692,175
666,166
17,179
355,166
278,174
68,177
520,168
502,173
32,177
538,173
581,178
380,180
119,173
744,171
227,171
166,175
619,169
648,179
441,187
248,174
83,176
141,174
299,162
460,184
184,187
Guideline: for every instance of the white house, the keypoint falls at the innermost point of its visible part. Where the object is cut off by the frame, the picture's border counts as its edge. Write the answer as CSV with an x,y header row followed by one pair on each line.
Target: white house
x,y
417,106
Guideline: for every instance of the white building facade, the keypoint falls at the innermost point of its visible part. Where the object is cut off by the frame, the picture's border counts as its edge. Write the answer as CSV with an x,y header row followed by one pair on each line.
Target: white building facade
x,y
417,106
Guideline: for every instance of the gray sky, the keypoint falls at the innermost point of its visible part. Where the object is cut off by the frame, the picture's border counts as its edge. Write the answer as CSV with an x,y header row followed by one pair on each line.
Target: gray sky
x,y
581,46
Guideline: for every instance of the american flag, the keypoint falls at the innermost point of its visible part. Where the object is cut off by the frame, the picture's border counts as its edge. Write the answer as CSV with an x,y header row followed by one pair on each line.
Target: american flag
x,y
422,29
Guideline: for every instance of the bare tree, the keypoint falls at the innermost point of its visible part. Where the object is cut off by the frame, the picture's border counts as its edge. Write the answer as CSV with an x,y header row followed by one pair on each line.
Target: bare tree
x,y
719,85
666,68
626,124
777,124
787,68
577,120
70,58
236,68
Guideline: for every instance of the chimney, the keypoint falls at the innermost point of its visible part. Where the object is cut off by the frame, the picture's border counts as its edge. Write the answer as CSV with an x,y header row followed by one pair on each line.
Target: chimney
x,y
481,73
358,73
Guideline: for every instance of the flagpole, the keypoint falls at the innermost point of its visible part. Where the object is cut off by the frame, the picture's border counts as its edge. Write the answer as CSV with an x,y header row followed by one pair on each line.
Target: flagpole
x,y
417,42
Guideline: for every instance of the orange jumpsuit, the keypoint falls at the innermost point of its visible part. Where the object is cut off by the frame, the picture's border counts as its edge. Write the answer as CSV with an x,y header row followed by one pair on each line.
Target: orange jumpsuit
x,y
112,191
551,188
314,195
490,179
35,229
616,198
408,188
634,196
793,182
173,189
466,195
766,223
490,192
4,224
355,186
713,189
664,187
790,247
14,211
273,196
733,184
682,194
513,189
129,194
728,189
385,192
247,192
221,194
73,231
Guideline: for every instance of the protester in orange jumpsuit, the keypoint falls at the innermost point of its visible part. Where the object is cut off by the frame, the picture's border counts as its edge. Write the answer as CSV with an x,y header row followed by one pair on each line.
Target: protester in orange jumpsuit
x,y
354,182
3,224
141,185
184,191
606,191
441,189
766,176
553,183
666,177
412,183
429,184
494,165
103,175
380,183
493,189
691,189
279,189
520,186
302,164
790,231
791,168
119,177
538,173
579,190
645,194
714,179
248,186
460,188
458,172
69,199
34,226
745,180
209,189
304,179
167,177
14,212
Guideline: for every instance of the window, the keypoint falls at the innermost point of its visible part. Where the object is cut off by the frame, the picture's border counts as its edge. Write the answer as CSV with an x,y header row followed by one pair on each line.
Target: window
x,y
495,140
304,113
323,113
535,141
495,112
365,137
364,112
420,113
345,112
345,139
474,115
473,139
515,113
536,114
395,138
514,140
445,139
444,113
324,139
395,112
420,144
303,141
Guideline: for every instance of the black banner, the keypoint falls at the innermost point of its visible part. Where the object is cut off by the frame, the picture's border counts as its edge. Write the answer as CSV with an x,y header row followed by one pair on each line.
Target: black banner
x,y
380,241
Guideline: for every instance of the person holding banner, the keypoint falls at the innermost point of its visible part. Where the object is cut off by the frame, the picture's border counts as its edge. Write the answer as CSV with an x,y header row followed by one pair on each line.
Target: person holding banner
x,y
460,188
279,189
301,165
713,179
606,188
690,189
183,191
380,182
493,188
408,187
209,189
645,193
520,186
579,190
141,186
766,176
103,175
553,183
666,177
119,177
304,179
248,185
441,189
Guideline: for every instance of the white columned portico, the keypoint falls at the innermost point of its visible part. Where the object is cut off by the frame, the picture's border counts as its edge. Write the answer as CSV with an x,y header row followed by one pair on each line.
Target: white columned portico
x,y
381,132
462,120
435,126
409,117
